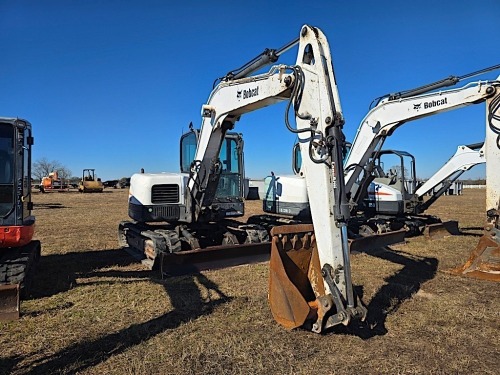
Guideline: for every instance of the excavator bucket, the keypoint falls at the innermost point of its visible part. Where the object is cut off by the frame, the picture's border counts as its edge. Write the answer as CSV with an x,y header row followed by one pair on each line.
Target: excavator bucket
x,y
9,302
294,270
440,230
484,261
295,279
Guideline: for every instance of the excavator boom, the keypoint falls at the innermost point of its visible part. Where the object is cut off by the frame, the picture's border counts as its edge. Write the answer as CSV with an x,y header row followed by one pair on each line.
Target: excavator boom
x,y
324,269
390,113
463,160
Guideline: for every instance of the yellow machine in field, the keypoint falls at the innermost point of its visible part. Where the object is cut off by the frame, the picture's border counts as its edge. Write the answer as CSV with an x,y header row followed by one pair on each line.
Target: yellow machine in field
x,y
89,183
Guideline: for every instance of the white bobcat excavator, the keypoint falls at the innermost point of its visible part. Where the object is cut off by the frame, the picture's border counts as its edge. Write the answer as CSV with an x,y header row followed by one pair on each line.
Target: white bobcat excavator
x,y
394,110
395,199
391,112
393,192
310,273
288,195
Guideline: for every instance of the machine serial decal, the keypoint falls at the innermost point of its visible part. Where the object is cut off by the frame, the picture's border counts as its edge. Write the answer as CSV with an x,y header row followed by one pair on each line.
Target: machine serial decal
x,y
245,94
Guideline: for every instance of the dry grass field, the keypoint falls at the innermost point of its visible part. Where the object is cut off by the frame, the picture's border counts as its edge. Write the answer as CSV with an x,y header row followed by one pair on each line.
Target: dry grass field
x,y
95,311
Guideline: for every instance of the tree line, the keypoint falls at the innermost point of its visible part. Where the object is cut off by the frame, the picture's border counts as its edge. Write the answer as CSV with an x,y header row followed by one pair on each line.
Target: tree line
x,y
43,167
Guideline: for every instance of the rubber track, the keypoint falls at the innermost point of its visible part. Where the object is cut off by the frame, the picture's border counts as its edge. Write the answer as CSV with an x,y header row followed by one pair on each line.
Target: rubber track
x,y
17,266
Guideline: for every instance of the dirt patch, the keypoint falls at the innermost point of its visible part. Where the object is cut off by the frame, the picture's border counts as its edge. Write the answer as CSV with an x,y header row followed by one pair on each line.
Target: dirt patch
x,y
95,311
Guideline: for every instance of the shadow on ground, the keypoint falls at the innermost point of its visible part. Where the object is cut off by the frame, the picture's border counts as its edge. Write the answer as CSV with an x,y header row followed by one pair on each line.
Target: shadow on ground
x,y
398,288
58,272
46,206
187,302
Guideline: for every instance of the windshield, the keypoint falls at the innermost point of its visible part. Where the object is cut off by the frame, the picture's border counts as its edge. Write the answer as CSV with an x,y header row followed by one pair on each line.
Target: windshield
x,y
6,168
230,179
188,150
230,183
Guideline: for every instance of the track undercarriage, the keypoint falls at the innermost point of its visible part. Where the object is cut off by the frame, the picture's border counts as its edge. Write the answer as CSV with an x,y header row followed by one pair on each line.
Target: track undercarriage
x,y
180,249
414,225
17,266
184,249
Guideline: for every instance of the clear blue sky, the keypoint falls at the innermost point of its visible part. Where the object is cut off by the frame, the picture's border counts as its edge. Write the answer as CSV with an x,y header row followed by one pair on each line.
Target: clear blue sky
x,y
112,85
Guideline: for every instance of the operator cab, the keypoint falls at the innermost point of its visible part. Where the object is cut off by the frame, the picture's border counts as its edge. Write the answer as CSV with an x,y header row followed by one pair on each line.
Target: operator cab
x,y
158,197
392,190
15,175
230,189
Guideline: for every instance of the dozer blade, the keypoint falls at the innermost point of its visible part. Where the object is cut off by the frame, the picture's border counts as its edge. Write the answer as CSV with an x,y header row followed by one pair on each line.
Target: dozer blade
x,y
375,241
212,258
440,230
484,261
294,269
9,302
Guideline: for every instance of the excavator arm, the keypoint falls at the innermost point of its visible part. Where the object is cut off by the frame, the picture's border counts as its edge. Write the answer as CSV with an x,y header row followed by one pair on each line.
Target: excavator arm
x,y
464,159
312,277
227,102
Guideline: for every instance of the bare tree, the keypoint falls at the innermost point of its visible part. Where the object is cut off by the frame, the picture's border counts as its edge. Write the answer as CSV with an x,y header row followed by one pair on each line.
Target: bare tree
x,y
64,173
43,167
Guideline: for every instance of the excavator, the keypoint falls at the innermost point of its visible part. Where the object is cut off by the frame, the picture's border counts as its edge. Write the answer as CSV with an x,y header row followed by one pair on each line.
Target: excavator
x,y
310,282
19,253
394,197
310,273
403,207
393,111
193,246
395,200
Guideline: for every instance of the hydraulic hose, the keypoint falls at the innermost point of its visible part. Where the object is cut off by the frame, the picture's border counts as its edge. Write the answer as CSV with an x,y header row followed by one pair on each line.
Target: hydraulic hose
x,y
493,116
450,81
268,56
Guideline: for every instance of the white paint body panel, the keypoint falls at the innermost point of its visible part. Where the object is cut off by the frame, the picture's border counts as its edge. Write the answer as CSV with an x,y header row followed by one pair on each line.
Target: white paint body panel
x,y
141,183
